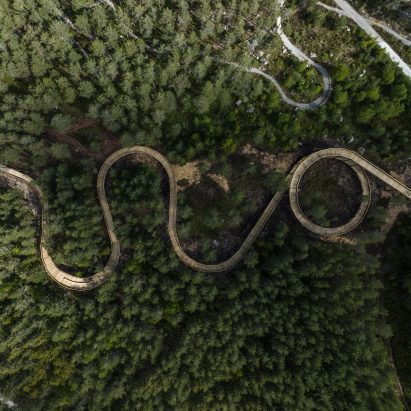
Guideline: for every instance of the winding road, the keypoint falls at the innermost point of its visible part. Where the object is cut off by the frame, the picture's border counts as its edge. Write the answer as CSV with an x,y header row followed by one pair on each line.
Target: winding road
x,y
372,21
358,163
345,9
301,56
294,50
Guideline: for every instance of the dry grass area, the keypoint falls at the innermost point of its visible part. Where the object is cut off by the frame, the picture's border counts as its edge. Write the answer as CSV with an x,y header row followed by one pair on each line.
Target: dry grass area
x,y
221,181
189,175
340,239
315,40
281,162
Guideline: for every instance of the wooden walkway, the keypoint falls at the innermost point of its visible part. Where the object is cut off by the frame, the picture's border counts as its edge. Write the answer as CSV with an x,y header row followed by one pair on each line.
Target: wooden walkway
x,y
358,163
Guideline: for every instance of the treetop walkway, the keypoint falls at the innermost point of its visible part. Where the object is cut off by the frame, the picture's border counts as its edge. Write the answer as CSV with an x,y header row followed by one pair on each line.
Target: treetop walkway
x,y
358,163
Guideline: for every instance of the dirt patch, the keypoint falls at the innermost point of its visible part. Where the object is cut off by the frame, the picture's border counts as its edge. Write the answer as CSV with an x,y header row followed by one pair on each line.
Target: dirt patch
x,y
339,239
278,162
221,181
189,174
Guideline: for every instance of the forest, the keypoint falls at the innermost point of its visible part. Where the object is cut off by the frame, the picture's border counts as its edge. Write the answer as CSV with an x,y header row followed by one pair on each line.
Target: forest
x,y
397,296
302,323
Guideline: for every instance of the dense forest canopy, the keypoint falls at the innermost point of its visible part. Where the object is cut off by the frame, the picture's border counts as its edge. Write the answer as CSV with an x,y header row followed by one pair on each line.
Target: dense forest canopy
x,y
297,326
397,296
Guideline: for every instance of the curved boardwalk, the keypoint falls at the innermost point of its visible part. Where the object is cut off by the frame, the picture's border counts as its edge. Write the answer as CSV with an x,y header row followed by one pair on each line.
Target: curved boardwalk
x,y
354,160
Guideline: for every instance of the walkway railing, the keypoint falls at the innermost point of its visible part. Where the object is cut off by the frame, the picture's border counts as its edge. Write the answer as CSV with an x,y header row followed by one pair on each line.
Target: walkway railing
x,y
358,163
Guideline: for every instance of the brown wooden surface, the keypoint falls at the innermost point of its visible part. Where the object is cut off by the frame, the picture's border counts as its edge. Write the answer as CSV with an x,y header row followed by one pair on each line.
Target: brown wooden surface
x,y
358,163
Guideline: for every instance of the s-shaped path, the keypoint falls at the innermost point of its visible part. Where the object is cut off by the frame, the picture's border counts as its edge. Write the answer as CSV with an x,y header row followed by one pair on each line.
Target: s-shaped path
x,y
358,163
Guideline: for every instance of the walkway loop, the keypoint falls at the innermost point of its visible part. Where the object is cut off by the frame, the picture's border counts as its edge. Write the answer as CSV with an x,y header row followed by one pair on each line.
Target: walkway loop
x,y
359,164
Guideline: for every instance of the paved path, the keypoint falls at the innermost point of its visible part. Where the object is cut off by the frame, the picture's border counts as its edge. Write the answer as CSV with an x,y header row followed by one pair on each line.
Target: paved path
x,y
294,50
347,10
389,30
300,55
371,20
354,160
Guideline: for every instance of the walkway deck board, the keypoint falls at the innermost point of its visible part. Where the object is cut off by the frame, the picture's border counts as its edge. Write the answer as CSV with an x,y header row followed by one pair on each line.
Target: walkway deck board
x,y
354,160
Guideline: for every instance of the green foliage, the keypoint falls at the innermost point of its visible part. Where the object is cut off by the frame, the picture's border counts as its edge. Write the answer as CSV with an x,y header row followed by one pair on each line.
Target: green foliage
x,y
341,73
397,297
297,326
286,333
66,61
